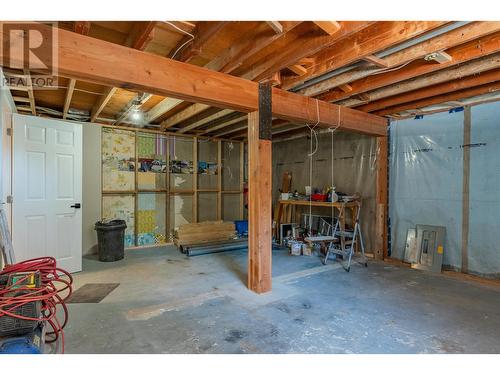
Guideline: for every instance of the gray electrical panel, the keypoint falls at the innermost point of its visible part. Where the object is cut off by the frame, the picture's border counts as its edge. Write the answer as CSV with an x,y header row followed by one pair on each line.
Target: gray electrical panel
x,y
429,247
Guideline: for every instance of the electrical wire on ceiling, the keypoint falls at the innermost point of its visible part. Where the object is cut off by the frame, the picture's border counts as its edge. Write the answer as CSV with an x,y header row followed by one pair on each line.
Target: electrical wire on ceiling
x,y
182,31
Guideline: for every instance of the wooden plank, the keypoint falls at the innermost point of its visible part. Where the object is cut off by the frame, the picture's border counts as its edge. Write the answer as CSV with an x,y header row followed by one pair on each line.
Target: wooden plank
x,y
205,31
438,99
141,35
231,58
329,27
298,69
161,108
184,115
377,61
203,121
370,40
29,87
304,47
101,103
295,108
276,26
69,95
463,44
466,190
433,90
82,27
381,250
259,208
85,58
376,97
218,126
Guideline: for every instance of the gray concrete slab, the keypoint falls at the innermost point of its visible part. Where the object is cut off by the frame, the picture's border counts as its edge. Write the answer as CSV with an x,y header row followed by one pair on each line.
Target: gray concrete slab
x,y
168,303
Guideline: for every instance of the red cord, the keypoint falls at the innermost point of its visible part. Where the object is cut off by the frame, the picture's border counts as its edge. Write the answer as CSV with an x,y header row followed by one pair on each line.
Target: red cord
x,y
54,281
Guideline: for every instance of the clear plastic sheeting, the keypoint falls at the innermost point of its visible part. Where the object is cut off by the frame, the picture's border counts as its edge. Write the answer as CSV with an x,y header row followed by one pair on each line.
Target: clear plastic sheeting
x,y
426,170
426,185
354,170
484,186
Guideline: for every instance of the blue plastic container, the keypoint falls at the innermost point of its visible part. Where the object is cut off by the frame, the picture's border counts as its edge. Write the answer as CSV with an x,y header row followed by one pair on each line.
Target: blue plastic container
x,y
241,227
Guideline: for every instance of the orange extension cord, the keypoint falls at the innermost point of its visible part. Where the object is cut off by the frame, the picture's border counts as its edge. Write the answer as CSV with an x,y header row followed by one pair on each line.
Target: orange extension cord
x,y
54,283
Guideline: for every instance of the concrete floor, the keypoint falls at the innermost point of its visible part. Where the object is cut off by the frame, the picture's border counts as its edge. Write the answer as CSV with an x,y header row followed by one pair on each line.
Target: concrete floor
x,y
168,303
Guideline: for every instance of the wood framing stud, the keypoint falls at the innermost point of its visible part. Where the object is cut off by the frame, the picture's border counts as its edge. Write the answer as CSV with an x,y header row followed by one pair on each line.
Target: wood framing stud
x,y
381,250
329,27
31,95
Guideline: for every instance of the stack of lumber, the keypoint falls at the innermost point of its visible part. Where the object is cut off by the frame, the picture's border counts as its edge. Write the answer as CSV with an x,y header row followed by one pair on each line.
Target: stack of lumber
x,y
207,231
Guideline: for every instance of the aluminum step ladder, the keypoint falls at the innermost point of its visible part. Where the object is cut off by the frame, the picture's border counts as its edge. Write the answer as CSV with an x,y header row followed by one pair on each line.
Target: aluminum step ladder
x,y
347,244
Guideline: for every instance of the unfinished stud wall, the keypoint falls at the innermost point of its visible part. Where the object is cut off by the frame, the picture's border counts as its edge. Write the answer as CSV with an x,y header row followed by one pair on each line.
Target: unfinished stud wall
x,y
354,167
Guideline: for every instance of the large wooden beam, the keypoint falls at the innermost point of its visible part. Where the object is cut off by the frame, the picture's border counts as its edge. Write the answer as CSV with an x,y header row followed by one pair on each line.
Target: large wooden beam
x,y
260,195
82,57
303,47
463,44
373,39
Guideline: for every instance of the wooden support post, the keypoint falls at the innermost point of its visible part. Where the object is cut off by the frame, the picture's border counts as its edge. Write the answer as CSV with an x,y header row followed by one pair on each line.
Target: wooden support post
x,y
260,197
381,250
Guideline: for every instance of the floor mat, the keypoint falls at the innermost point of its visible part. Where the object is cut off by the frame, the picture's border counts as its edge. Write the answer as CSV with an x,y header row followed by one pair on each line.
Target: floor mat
x,y
92,293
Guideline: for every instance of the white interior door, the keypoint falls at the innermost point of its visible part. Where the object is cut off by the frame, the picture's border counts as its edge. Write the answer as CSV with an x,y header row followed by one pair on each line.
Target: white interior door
x,y
47,184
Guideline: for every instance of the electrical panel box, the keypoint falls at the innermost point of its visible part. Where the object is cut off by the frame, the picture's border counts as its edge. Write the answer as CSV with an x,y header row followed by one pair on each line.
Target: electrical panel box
x,y
429,247
410,250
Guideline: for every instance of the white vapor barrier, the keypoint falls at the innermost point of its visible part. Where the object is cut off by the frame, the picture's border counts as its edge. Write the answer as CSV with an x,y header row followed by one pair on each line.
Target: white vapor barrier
x,y
484,187
426,168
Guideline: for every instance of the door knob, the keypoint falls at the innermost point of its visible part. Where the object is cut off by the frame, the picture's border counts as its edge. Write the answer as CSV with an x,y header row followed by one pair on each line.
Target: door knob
x,y
76,205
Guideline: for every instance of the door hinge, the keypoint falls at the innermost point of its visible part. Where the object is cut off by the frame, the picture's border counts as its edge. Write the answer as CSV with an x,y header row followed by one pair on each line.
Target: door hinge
x,y
10,199
9,131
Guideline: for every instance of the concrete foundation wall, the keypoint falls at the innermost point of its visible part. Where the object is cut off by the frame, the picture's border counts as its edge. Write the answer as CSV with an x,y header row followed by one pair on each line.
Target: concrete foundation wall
x,y
354,170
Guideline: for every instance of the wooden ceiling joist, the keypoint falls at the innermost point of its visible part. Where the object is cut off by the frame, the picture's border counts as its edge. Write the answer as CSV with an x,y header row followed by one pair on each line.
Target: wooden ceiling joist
x,y
434,90
82,57
205,31
377,61
462,44
101,103
438,99
189,112
69,96
232,58
373,39
161,108
217,126
276,26
473,67
82,27
141,35
31,95
203,121
304,47
329,27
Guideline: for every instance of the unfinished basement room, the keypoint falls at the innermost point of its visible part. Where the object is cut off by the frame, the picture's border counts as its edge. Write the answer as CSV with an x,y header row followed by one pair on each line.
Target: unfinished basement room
x,y
250,187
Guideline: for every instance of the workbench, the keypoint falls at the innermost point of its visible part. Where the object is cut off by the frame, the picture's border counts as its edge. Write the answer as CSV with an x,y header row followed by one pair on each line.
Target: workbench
x,y
287,212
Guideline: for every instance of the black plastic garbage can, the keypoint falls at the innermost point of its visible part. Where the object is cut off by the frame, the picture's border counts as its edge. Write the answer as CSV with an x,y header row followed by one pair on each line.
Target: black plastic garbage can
x,y
110,240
